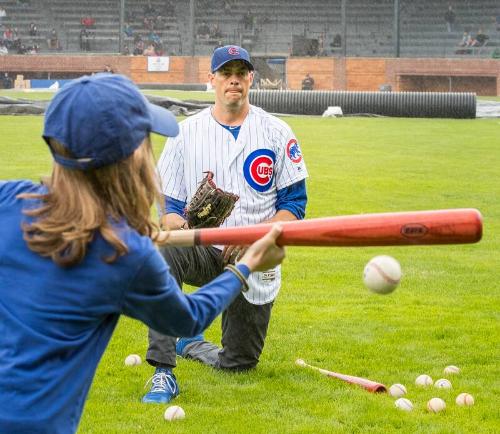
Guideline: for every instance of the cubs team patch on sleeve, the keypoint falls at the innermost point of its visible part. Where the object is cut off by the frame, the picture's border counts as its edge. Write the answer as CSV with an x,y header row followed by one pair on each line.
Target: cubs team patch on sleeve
x,y
258,169
293,151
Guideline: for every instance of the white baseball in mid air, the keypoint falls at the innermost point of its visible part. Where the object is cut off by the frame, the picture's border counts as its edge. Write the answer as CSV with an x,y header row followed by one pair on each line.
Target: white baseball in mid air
x,y
403,404
442,383
465,399
423,380
382,274
397,390
174,412
451,370
133,360
435,405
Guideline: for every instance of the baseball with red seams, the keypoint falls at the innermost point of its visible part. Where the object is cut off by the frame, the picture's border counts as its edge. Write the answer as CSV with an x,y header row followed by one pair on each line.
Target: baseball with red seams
x,y
382,274
452,370
403,404
465,399
397,390
443,383
174,412
423,380
435,405
133,360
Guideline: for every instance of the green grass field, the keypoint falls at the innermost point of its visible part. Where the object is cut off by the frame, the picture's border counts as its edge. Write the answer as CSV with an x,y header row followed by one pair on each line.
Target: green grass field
x,y
446,310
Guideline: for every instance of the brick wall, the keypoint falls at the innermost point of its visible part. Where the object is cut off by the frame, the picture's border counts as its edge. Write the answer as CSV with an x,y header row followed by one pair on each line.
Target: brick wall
x,y
477,75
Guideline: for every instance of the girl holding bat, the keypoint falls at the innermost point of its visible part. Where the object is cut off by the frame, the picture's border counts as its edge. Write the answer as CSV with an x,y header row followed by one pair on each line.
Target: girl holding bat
x,y
78,250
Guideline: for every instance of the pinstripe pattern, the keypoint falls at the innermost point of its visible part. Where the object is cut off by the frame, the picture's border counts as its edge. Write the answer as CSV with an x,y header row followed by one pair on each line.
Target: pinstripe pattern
x,y
203,144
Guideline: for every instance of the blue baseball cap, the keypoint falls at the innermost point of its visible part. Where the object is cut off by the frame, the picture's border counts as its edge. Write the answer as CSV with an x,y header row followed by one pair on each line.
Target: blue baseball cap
x,y
228,53
102,119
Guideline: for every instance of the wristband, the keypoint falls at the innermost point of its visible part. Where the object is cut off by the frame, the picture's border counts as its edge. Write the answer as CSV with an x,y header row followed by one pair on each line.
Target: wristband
x,y
239,275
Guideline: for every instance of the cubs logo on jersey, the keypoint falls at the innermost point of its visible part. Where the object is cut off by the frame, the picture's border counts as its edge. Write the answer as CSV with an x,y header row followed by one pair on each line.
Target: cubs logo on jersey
x,y
293,151
258,169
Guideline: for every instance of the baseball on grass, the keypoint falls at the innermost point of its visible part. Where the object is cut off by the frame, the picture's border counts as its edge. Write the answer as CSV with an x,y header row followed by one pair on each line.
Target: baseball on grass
x,y
382,274
397,390
423,380
133,360
435,405
465,400
403,404
174,412
451,370
442,383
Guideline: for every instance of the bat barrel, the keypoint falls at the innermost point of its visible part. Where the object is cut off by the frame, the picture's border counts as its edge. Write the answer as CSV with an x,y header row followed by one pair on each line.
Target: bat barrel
x,y
454,226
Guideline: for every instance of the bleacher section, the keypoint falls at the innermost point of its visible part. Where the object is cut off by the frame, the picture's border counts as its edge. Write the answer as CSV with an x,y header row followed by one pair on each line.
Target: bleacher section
x,y
424,32
282,27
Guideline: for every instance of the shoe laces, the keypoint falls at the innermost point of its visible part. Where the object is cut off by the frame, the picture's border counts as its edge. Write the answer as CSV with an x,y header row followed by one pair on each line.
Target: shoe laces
x,y
162,381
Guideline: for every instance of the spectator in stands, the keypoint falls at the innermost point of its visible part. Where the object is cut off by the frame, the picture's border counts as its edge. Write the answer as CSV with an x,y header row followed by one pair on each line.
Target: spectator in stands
x,y
149,23
308,82
3,49
248,20
84,39
149,10
33,30
128,30
480,39
321,45
215,31
337,41
53,40
154,39
227,6
160,22
3,13
33,48
7,81
126,50
465,44
21,48
138,46
466,40
497,21
449,18
149,50
219,45
129,16
8,37
168,8
88,22
203,31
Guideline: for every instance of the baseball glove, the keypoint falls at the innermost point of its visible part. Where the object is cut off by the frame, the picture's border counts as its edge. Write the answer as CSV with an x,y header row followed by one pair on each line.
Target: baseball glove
x,y
210,205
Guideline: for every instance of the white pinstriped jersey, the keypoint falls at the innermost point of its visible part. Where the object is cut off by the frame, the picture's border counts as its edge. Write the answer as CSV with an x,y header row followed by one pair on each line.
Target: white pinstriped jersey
x,y
265,158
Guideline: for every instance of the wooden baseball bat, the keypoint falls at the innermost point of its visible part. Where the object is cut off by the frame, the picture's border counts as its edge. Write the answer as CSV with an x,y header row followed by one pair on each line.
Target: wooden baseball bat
x,y
449,226
371,386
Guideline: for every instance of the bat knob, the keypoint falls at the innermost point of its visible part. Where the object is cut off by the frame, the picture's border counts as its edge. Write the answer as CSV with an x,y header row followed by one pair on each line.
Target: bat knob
x,y
300,362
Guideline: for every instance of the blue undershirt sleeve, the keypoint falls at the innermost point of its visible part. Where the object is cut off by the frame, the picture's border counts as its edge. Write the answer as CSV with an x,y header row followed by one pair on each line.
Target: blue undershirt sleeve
x,y
293,198
155,299
174,206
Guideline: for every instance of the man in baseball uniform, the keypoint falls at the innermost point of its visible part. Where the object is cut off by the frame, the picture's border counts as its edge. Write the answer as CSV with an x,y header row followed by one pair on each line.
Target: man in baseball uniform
x,y
255,156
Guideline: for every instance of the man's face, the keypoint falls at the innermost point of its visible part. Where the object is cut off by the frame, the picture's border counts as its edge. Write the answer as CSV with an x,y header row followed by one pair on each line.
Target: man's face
x,y
232,83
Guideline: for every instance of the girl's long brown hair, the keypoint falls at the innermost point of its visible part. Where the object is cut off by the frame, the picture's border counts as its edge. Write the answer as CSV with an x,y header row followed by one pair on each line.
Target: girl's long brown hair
x,y
80,203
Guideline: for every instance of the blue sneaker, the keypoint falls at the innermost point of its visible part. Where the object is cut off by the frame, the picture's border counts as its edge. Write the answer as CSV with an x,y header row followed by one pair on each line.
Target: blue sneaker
x,y
164,387
183,342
